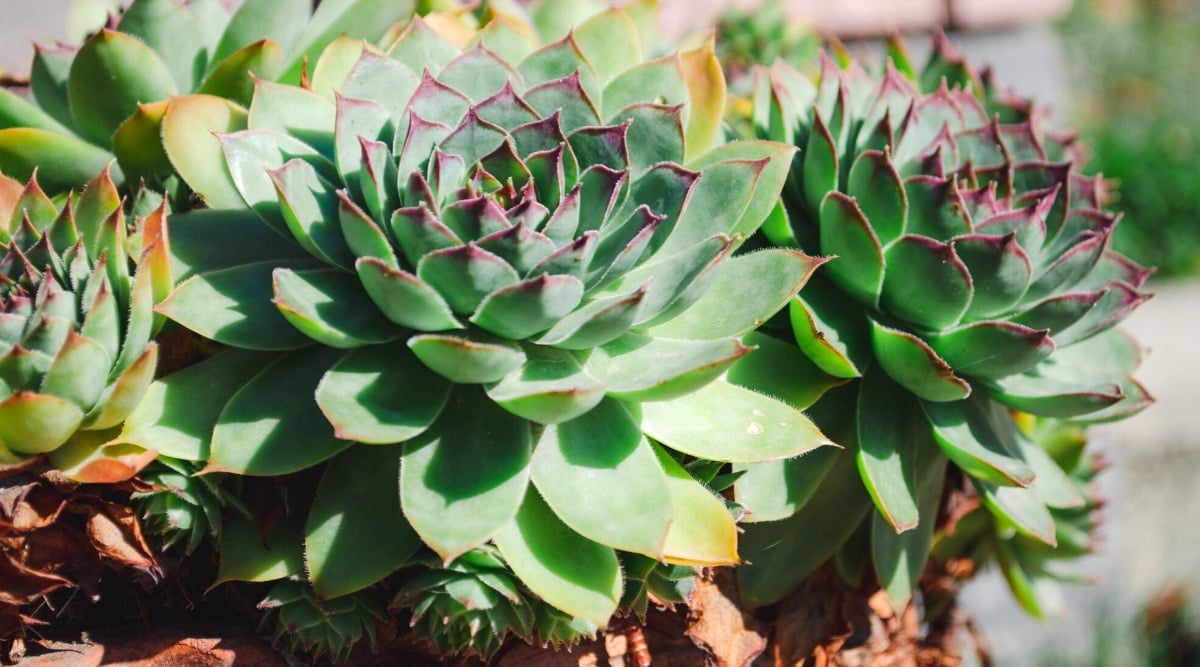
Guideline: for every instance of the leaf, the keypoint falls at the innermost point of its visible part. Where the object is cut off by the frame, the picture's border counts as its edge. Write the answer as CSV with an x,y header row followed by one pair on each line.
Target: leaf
x,y
981,438
472,357
247,556
330,306
901,558
272,426
566,570
887,449
456,507
36,423
526,308
63,162
233,78
550,387
774,490
778,368
601,477
925,283
780,554
724,422
1021,509
233,306
702,531
111,74
178,412
911,362
706,87
992,349
199,242
747,291
173,33
846,232
381,394
639,368
356,533
362,19
189,132
280,21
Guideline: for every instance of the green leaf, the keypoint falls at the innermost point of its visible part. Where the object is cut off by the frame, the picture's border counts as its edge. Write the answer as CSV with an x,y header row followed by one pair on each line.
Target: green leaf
x,y
846,232
775,490
747,291
887,448
639,368
778,368
981,438
280,21
471,357
125,394
465,275
48,81
1000,270
250,552
363,19
770,178
62,162
251,155
296,112
272,426
178,412
233,78
550,387
780,554
911,362
528,307
926,282
199,242
609,42
381,394
568,571
403,298
79,372
876,186
36,423
658,80
724,422
173,33
356,533
17,111
601,477
992,349
1019,508
111,74
233,306
330,306
900,559
137,143
456,507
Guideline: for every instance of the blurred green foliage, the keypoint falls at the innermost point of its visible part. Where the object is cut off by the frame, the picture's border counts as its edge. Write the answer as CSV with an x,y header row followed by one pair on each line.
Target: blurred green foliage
x,y
1138,104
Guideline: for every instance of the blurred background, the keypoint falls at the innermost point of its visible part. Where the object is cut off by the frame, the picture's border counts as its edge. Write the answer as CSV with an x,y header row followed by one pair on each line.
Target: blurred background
x,y
1124,73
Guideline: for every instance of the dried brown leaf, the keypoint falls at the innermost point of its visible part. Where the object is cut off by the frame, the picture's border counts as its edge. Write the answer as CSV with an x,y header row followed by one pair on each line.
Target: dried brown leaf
x,y
718,624
20,584
116,534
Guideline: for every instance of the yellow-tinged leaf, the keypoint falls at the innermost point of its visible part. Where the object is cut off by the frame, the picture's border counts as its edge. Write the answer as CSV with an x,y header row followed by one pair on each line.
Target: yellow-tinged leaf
x,y
94,457
451,27
706,83
10,193
702,531
189,128
334,65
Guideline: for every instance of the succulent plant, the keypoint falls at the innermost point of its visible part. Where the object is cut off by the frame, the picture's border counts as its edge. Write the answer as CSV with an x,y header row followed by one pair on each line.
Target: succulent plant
x,y
181,506
475,603
972,277
298,619
107,98
77,324
505,271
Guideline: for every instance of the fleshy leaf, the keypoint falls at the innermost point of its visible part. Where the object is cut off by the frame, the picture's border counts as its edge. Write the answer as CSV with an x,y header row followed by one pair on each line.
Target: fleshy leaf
x,y
600,476
911,362
981,438
347,548
724,422
523,309
35,423
549,388
702,531
111,74
381,394
638,368
330,306
845,232
455,507
926,283
992,349
887,449
272,426
471,357
572,573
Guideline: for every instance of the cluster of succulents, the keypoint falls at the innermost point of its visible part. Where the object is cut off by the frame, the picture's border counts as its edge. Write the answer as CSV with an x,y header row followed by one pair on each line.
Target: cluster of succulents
x,y
485,309
973,279
105,99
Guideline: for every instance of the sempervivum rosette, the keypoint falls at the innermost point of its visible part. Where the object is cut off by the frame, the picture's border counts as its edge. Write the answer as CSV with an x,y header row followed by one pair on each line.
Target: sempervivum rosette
x,y
507,267
76,318
973,276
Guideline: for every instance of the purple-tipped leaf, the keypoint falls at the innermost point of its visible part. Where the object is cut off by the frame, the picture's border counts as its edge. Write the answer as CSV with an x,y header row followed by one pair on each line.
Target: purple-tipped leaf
x,y
992,349
469,357
526,308
551,387
926,283
846,233
330,306
403,298
912,363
